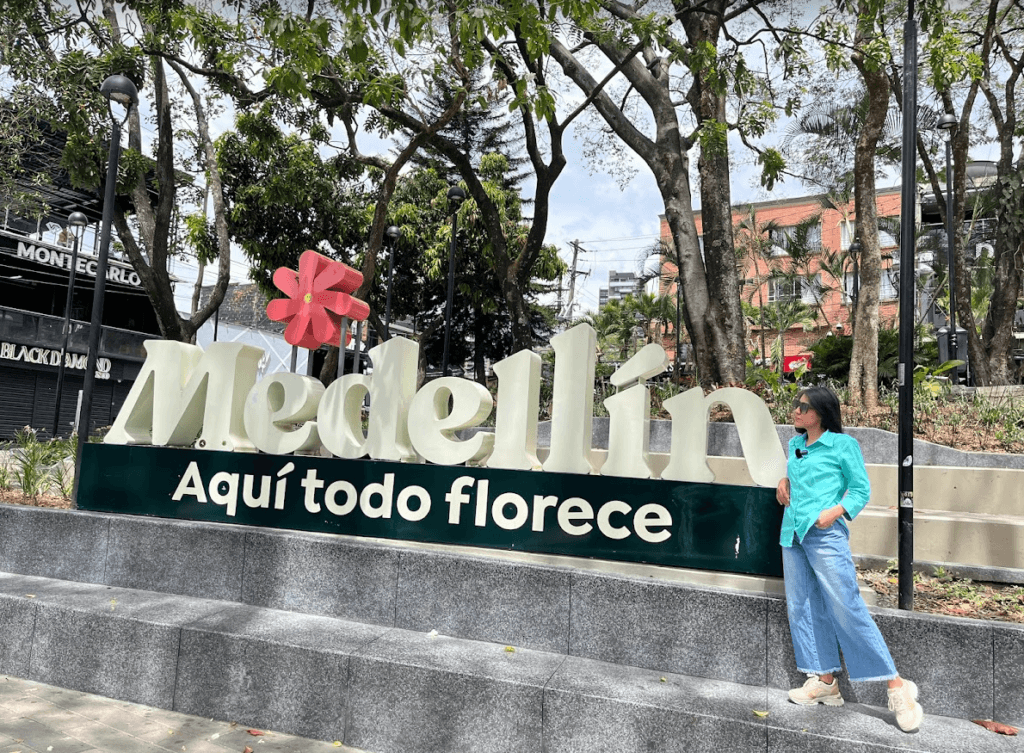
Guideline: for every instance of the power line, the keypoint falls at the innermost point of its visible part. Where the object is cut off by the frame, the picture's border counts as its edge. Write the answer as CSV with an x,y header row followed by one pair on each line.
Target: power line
x,y
626,238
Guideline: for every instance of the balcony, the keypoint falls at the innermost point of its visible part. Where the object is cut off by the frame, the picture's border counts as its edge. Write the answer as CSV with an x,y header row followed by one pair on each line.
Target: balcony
x,y
41,330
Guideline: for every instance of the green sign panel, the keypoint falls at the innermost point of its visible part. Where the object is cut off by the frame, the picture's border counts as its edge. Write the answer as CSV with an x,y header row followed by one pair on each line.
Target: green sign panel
x,y
704,526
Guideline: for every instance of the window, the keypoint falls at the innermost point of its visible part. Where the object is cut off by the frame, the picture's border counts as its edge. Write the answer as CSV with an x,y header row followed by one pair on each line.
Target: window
x,y
845,234
783,290
810,290
783,237
846,230
886,290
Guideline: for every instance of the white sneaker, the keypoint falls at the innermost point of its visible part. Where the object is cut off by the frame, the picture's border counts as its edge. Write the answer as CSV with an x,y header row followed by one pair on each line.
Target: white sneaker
x,y
903,702
815,691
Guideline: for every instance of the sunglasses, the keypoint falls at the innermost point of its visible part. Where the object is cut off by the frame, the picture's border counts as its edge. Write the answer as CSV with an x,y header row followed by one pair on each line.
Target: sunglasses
x,y
800,405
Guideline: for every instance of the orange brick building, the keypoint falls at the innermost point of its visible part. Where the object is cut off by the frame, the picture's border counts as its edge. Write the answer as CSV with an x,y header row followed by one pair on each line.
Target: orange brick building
x,y
826,284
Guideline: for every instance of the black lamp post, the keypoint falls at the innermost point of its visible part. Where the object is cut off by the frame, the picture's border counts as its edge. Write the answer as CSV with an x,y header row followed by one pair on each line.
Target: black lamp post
x,y
905,373
119,89
948,124
394,233
455,197
76,220
855,249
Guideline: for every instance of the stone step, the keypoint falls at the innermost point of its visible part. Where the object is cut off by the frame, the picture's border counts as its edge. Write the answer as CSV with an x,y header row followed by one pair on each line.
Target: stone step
x,y
391,690
967,668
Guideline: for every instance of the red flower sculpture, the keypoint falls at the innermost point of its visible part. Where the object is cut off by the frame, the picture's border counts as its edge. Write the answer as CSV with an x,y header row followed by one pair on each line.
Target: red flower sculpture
x,y
318,297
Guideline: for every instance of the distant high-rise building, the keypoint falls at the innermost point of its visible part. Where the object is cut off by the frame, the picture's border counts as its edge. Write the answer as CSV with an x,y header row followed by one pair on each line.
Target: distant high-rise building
x,y
620,284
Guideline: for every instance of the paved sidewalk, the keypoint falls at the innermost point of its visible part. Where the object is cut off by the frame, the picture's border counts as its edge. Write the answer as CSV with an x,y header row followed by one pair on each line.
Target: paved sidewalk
x,y
37,718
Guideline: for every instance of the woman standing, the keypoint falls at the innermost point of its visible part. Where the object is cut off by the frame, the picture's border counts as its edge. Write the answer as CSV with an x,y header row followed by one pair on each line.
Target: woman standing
x,y
826,485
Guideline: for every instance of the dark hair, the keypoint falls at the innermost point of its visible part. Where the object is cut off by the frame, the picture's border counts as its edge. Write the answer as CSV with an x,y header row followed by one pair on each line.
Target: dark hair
x,y
825,403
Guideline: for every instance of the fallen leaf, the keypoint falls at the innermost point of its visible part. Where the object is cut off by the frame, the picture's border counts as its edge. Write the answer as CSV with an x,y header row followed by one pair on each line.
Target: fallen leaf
x,y
509,650
760,713
663,680
997,727
247,749
255,732
337,743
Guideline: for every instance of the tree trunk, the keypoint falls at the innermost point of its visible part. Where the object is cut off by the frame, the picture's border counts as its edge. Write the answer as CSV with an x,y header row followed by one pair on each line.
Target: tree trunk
x,y
708,101
864,358
478,345
711,302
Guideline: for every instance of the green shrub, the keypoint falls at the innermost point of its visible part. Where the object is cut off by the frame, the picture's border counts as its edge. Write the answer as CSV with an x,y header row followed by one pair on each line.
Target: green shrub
x,y
832,356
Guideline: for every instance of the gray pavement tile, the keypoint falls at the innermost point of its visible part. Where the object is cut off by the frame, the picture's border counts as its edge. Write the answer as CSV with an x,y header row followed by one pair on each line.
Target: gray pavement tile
x,y
39,737
104,737
56,718
27,705
69,721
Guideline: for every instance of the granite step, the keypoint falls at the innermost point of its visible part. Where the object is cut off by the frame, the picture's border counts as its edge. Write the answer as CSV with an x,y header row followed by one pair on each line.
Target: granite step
x,y
393,690
968,669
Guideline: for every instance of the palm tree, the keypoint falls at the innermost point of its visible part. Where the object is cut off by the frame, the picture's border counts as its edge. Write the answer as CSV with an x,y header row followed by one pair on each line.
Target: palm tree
x,y
782,316
665,253
613,324
754,245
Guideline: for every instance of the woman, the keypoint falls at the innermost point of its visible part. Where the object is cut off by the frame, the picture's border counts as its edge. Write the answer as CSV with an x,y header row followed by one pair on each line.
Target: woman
x,y
826,485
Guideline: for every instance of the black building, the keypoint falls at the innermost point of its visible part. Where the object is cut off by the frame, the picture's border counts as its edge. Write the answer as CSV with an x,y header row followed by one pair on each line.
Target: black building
x,y
35,264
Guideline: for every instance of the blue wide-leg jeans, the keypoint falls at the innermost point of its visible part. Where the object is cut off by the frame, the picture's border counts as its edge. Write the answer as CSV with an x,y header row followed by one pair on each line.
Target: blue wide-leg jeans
x,y
826,611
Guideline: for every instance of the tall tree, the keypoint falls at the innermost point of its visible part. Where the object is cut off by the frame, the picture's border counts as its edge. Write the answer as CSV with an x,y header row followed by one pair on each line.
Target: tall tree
x,y
688,86
979,55
64,56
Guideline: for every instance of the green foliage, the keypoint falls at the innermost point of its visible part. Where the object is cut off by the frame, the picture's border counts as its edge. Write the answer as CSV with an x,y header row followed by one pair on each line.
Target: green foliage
x,y
772,166
713,137
34,463
6,480
831,357
928,379
202,237
619,323
284,198
777,391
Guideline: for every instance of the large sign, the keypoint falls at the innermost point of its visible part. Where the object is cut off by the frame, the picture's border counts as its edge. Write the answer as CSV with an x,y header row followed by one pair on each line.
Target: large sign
x,y
436,483
50,357
84,265
707,526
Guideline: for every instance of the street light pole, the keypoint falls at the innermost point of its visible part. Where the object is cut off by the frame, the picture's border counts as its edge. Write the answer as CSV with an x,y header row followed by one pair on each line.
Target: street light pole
x,y
455,197
118,89
948,124
905,374
76,220
394,233
855,249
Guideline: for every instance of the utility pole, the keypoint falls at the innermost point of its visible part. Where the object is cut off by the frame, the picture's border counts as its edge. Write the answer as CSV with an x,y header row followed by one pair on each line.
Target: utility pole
x,y
576,250
561,279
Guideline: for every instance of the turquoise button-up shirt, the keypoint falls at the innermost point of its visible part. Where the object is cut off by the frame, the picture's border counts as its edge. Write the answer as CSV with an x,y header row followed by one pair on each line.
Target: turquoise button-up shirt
x,y
828,472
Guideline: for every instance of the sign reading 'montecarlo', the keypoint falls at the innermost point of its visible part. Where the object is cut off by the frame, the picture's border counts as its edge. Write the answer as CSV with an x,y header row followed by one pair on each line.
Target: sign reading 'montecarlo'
x,y
185,397
84,265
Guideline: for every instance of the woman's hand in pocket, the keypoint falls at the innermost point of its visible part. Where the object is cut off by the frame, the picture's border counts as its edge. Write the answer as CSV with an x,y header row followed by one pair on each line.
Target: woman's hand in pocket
x,y
829,516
